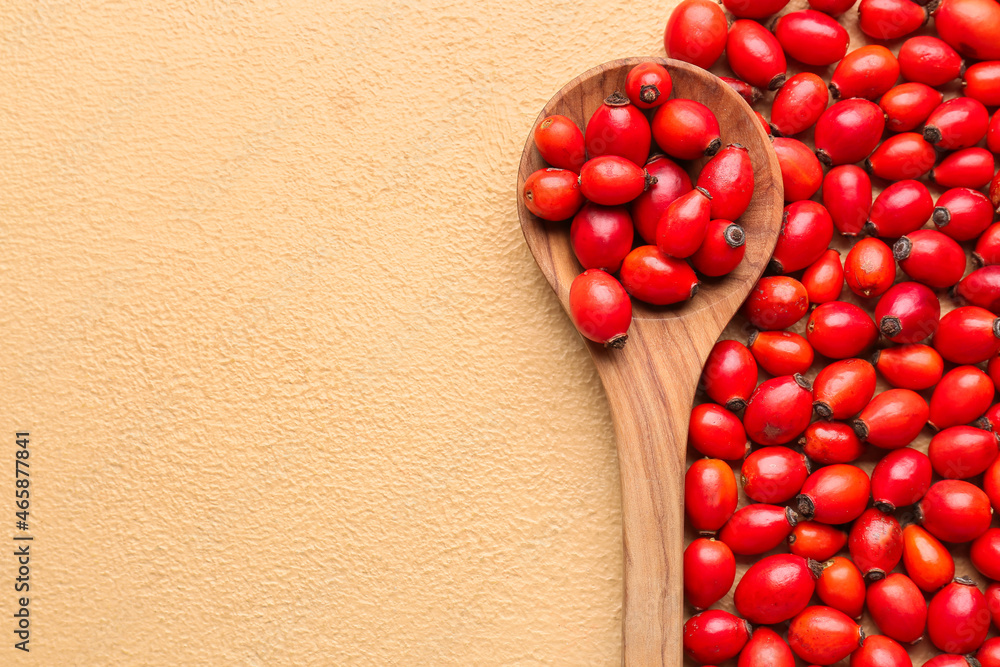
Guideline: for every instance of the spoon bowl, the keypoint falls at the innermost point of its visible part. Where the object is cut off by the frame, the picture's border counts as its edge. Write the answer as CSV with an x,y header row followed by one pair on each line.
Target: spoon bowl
x,y
651,382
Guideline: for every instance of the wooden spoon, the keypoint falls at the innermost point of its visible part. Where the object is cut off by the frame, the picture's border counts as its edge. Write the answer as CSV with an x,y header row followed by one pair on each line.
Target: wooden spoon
x,y
651,382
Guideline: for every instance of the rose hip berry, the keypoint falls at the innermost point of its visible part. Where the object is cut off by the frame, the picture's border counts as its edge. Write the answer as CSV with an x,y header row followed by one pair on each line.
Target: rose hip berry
x,y
955,511
684,224
908,105
755,55
958,123
842,587
969,26
717,432
696,32
902,156
823,635
849,131
968,335
835,494
926,560
709,572
749,93
811,37
710,494
776,588
715,636
876,544
649,275
981,288
754,9
962,213
890,19
880,651
866,72
773,474
967,168
832,7
985,553
758,528
618,127
982,82
901,208
838,330
901,478
843,388
799,104
776,302
730,374
824,279
611,180
600,308
929,60
961,396
831,442
930,257
766,648
670,181
892,419
779,410
601,236
908,313
987,251
648,85
560,143
914,367
728,179
806,231
781,352
552,194
960,452
686,129
898,608
801,172
811,539
847,195
958,617
870,268
722,250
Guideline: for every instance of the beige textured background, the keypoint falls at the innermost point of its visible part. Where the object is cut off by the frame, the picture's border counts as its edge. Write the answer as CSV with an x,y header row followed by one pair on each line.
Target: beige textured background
x,y
297,393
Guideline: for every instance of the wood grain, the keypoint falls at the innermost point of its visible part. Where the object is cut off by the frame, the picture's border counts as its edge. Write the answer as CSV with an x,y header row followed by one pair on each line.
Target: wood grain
x,y
651,383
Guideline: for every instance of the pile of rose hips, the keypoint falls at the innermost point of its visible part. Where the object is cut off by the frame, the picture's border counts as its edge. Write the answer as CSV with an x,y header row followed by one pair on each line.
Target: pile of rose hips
x,y
848,511
621,190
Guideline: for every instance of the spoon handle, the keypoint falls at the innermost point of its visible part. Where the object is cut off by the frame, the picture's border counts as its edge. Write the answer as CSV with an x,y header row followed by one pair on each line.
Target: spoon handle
x,y
650,386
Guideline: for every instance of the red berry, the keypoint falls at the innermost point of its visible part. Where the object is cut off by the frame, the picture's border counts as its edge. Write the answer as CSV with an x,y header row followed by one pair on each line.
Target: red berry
x,y
730,374
967,168
910,366
714,636
611,180
696,32
955,511
823,635
651,276
781,352
763,122
758,528
993,602
670,182
722,250
766,648
801,172
901,478
993,417
847,195
930,257
560,143
991,482
901,208
832,7
717,432
962,395
684,224
880,651
552,194
893,419
960,452
600,308
811,539
993,133
618,127
870,268
898,608
754,9
842,587
962,213
890,19
849,131
686,129
985,553
755,55
908,105
926,560
776,302
970,27
811,37
988,654
710,494
982,82
902,156
929,60
831,442
981,288
908,313
601,236
750,93
995,191
709,572
806,231
798,104
866,72
968,335
957,123
838,330
824,279
779,410
776,588
773,474
876,544
958,618
835,494
648,85
728,178
843,388
950,660
988,247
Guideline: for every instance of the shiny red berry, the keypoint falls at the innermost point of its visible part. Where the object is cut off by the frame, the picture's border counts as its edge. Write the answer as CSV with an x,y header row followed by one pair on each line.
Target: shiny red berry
x,y
696,32
776,302
601,236
880,651
870,268
717,432
670,181
811,37
929,60
901,208
781,352
843,389
811,539
902,156
686,129
962,213
824,279
982,82
866,72
684,224
876,544
766,648
892,419
611,180
914,367
728,178
831,442
930,257
749,93
835,494
847,195
987,251
898,608
928,562
754,9
981,288
710,494
779,410
649,275
823,635
988,654
958,123
801,172
709,572
758,528
722,250
890,19
962,395
838,330
560,143
618,127
552,194
841,586
714,636
849,131
955,511
729,375
648,85
908,105
958,618
908,313
776,588
798,104
967,168
985,553
755,55
600,308
773,474
832,7
806,232
968,335
970,27
960,452
901,478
